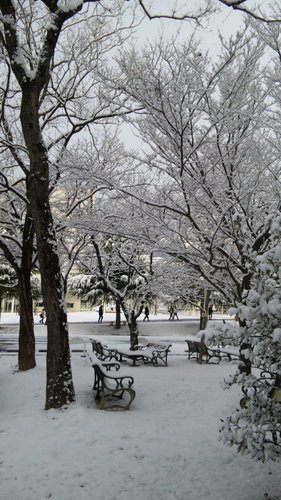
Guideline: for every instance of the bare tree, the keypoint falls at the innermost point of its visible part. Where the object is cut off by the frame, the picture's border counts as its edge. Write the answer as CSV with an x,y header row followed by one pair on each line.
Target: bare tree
x,y
203,135
31,57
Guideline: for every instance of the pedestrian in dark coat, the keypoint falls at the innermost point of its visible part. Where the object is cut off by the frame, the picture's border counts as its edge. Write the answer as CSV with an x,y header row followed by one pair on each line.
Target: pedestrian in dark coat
x,y
100,314
42,316
146,314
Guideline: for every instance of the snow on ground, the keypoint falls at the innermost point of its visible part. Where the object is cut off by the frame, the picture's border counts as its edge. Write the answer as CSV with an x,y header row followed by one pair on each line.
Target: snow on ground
x,y
165,448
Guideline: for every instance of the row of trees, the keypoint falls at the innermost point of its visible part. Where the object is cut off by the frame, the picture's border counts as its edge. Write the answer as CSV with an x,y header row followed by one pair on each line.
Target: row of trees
x,y
201,190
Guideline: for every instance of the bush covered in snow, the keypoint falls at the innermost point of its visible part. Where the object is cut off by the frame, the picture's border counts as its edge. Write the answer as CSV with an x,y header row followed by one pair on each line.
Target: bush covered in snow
x,y
256,427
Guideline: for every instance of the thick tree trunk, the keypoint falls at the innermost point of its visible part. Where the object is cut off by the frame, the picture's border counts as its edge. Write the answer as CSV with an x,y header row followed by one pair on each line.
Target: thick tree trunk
x,y
204,310
118,314
26,356
134,331
59,385
131,318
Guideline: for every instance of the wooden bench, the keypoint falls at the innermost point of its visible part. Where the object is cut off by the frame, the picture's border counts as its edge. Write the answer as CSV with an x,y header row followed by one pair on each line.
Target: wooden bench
x,y
148,353
102,351
198,348
112,392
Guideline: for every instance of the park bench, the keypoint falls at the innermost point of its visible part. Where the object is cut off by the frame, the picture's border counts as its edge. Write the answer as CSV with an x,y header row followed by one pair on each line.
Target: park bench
x,y
103,352
112,392
198,348
147,353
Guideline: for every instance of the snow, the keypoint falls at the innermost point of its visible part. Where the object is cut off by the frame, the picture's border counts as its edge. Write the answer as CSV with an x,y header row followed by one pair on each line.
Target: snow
x,y
165,448
68,5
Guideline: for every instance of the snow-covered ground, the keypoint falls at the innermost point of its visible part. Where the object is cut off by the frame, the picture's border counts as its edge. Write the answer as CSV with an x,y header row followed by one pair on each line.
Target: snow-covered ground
x,y
165,448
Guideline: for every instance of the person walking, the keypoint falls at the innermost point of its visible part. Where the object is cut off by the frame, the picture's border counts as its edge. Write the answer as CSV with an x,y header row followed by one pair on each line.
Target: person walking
x,y
175,313
100,314
210,312
42,316
171,311
146,314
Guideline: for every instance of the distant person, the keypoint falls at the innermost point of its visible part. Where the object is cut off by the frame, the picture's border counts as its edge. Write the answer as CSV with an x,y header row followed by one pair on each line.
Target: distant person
x,y
100,314
146,314
42,316
171,311
175,313
210,312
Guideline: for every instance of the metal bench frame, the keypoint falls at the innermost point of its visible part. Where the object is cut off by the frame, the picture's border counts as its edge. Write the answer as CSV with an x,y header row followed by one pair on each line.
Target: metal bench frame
x,y
148,353
110,389
199,348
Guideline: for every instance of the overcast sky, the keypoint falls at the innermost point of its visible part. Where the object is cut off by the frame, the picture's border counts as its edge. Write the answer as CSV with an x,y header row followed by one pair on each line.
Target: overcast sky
x,y
227,21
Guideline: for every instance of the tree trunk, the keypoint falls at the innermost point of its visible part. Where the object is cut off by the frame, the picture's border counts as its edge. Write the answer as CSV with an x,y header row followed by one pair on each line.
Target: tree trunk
x,y
204,310
131,318
26,356
202,343
134,331
59,385
245,366
118,314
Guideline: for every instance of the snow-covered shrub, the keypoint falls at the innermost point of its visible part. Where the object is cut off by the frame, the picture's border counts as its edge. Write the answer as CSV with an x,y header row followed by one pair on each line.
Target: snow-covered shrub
x,y
256,428
221,334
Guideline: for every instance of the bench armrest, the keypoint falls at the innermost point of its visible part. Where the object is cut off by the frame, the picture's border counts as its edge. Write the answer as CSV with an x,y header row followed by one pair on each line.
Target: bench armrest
x,y
110,365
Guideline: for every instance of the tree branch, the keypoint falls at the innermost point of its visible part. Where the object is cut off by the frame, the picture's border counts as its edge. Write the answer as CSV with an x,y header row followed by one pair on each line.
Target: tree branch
x,y
236,5
184,17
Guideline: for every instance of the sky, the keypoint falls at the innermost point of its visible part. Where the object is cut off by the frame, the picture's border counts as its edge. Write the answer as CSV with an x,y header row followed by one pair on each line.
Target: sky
x,y
226,21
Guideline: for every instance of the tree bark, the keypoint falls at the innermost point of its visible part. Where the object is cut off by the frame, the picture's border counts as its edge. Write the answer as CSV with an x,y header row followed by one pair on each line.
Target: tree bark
x,y
59,386
245,365
131,318
134,331
26,356
118,314
204,310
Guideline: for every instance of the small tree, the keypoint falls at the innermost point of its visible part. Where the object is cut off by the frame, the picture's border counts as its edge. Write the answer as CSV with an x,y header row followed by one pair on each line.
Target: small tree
x,y
126,275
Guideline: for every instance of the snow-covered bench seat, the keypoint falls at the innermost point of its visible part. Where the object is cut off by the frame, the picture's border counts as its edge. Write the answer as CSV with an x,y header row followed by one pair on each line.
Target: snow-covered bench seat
x,y
113,392
148,353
